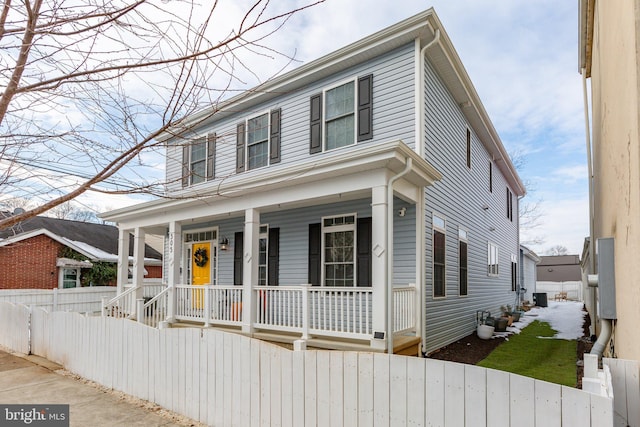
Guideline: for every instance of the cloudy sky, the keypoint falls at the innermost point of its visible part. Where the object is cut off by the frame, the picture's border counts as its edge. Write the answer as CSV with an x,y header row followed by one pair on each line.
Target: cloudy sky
x,y
522,59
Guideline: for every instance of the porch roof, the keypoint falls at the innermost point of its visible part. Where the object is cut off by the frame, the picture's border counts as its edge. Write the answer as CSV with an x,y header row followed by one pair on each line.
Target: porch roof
x,y
345,173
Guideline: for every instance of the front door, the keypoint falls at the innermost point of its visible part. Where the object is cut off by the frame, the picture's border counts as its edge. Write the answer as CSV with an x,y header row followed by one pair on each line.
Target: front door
x,y
201,259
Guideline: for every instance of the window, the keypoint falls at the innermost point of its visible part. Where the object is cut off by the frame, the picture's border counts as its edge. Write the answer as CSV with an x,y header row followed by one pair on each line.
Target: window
x,y
70,278
514,272
490,177
509,204
341,115
198,160
463,262
258,141
339,250
468,148
492,259
262,255
438,257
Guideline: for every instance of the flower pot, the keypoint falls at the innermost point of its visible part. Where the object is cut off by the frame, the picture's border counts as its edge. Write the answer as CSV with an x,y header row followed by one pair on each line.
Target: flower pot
x,y
500,324
485,331
516,315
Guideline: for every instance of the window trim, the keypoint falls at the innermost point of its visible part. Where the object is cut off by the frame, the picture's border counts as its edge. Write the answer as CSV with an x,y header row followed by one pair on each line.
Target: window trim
x,y
463,237
246,139
468,148
343,227
514,273
209,142
354,113
264,235
442,230
490,176
491,249
61,277
509,203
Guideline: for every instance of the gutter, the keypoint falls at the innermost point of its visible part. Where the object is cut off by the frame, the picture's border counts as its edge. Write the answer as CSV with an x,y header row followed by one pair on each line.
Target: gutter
x,y
420,142
389,225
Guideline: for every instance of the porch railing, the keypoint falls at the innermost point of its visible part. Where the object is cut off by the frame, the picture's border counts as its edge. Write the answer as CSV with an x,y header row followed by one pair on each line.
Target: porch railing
x,y
209,304
404,308
152,311
120,305
319,311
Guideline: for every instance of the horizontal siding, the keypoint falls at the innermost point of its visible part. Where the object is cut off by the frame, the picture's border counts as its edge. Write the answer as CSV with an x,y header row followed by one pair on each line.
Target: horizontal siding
x,y
459,198
294,239
393,116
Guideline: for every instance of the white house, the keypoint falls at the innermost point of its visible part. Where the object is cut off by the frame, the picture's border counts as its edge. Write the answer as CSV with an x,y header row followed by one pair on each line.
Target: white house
x,y
364,197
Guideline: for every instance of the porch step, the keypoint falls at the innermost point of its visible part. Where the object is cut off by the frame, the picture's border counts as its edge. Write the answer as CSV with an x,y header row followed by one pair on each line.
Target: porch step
x,y
406,345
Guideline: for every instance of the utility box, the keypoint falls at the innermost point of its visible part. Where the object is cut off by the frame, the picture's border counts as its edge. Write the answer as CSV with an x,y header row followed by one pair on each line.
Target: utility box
x,y
606,278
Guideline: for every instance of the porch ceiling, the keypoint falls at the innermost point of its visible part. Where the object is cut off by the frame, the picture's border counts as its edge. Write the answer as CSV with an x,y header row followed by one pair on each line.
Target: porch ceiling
x,y
340,175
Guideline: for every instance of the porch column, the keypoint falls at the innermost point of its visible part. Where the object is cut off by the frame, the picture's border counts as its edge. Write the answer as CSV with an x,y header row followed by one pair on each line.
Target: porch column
x,y
123,260
174,246
379,267
250,267
138,262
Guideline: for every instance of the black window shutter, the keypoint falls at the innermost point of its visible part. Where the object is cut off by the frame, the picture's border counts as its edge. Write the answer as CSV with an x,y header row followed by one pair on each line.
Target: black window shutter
x,y
315,143
363,259
185,165
274,257
240,148
365,107
238,249
274,154
211,156
315,249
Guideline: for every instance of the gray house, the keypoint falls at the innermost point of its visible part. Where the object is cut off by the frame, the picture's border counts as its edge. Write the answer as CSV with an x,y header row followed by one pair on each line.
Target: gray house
x,y
362,200
528,273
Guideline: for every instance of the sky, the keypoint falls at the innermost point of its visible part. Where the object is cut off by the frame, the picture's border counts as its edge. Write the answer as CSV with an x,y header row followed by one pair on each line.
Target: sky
x,y
522,58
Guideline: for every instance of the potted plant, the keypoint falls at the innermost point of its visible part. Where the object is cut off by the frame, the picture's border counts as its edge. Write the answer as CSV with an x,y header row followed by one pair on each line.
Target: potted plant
x,y
485,325
507,313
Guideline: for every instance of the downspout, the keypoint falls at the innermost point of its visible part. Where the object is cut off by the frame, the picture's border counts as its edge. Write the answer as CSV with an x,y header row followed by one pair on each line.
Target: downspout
x,y
605,324
390,315
420,142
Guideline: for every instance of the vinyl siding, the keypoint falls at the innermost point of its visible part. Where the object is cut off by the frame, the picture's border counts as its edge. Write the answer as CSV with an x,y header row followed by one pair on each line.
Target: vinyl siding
x,y
393,116
459,198
294,239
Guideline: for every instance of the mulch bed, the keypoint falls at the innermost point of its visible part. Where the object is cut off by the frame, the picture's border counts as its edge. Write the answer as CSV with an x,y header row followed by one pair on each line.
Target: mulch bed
x,y
471,350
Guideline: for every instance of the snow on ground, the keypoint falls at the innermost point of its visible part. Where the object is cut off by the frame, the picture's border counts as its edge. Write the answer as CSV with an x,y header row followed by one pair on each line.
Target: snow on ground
x,y
565,317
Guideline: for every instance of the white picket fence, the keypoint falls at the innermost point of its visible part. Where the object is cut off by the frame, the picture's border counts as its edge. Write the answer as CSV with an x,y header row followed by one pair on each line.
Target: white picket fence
x,y
83,300
625,379
225,379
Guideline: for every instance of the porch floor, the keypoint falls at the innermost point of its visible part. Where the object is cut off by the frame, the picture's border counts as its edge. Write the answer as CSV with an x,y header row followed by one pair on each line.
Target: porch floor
x,y
402,344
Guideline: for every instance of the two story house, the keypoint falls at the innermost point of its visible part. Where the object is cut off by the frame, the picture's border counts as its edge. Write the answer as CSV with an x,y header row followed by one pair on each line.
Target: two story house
x,y
362,198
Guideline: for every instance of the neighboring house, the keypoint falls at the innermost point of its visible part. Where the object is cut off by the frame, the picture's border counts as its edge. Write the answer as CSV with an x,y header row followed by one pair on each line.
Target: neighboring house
x,y
528,273
364,196
610,59
46,253
559,268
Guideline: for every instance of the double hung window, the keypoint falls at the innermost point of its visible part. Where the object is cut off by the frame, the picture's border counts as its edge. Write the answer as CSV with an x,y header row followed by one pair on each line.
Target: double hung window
x,y
463,262
339,250
198,160
439,256
342,115
258,141
492,259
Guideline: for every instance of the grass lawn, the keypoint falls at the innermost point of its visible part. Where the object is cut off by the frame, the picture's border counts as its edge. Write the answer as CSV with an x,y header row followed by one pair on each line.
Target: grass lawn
x,y
525,354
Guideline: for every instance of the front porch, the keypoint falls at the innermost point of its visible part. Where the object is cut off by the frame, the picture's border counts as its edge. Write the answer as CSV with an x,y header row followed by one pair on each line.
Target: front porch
x,y
326,253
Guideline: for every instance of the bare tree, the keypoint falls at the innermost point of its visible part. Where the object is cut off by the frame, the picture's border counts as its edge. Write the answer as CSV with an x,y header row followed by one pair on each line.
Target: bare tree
x,y
557,250
75,212
530,208
88,86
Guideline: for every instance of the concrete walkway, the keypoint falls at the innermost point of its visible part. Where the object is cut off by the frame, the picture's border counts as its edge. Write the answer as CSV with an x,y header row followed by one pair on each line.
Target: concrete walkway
x,y
34,380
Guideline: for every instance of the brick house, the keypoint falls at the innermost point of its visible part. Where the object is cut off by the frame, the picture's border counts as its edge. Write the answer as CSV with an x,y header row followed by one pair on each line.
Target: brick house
x,y
47,253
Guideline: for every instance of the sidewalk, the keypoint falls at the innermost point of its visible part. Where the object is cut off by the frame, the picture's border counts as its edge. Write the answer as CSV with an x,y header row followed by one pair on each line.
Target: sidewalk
x,y
34,380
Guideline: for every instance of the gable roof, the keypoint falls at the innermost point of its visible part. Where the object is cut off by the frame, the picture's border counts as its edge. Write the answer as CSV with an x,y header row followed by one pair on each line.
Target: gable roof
x,y
96,241
423,27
